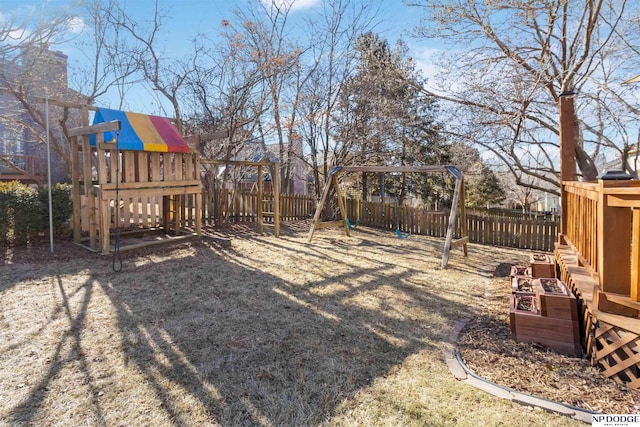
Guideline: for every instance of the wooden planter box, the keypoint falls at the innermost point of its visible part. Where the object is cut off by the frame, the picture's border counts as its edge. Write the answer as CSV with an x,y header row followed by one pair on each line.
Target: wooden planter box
x,y
542,265
528,325
520,270
524,285
555,300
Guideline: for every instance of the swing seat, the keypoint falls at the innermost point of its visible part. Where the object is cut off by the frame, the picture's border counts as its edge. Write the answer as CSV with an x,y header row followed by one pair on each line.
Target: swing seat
x,y
402,236
351,226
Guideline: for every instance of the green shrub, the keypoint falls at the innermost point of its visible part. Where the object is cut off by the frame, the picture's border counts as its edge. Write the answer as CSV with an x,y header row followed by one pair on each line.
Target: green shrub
x,y
61,204
20,211
24,211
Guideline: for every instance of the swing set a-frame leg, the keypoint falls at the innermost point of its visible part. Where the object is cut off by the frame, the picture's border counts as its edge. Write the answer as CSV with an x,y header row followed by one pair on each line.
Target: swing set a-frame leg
x,y
332,181
449,244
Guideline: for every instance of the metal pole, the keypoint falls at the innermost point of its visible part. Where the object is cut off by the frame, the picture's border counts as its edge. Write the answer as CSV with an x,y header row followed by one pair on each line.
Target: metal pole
x,y
46,106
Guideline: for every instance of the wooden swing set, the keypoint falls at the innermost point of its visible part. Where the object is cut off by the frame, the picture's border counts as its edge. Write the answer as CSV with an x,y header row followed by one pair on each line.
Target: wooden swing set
x,y
333,181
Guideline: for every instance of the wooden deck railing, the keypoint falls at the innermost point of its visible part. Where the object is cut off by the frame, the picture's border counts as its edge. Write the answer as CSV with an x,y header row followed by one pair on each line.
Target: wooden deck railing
x,y
598,257
604,232
24,168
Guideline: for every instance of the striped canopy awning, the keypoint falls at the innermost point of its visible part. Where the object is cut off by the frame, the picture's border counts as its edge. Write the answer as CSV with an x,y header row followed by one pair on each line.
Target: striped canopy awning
x,y
141,132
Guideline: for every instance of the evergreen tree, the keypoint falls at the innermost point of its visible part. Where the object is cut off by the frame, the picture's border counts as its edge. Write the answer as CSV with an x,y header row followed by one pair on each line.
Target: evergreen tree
x,y
384,116
483,188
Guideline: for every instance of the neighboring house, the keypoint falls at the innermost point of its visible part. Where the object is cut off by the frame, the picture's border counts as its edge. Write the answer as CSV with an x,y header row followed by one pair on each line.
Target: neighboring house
x,y
253,151
36,74
298,182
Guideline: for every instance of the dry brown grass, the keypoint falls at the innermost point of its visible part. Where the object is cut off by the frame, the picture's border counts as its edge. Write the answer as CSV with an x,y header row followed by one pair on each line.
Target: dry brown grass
x,y
342,331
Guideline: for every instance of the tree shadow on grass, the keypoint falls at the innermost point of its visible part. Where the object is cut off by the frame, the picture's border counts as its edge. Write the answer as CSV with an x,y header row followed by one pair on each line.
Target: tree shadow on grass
x,y
217,339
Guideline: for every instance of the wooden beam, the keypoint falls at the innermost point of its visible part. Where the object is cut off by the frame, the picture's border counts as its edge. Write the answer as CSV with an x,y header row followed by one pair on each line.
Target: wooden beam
x,y
464,231
94,129
75,190
142,185
398,169
67,104
451,225
234,163
260,201
149,192
460,242
624,201
635,256
343,211
613,237
275,183
320,206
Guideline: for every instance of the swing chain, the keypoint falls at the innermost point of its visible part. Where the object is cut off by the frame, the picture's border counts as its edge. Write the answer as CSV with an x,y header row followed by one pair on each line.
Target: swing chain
x,y
116,263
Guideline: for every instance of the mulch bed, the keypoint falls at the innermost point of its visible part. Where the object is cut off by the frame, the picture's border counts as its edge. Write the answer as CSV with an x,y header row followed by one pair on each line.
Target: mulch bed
x,y
488,349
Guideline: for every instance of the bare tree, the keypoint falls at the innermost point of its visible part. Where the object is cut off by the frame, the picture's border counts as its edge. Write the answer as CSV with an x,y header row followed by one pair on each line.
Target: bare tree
x,y
508,63
163,74
106,48
30,71
335,33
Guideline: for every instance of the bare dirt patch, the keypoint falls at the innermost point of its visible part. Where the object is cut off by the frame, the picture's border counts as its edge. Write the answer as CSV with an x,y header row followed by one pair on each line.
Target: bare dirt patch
x,y
264,331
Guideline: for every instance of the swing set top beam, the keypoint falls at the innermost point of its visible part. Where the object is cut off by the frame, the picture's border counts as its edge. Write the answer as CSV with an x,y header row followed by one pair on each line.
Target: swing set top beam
x,y
400,169
236,163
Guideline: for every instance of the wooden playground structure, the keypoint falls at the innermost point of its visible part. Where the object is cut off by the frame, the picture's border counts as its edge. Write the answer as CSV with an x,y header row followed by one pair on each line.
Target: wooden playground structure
x,y
458,200
154,188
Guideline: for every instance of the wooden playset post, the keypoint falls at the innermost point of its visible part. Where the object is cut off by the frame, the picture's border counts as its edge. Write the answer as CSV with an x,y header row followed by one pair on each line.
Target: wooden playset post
x,y
275,180
567,156
260,201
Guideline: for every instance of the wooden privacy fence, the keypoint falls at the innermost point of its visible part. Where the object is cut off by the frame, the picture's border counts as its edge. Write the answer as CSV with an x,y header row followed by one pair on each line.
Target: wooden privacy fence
x,y
243,207
493,230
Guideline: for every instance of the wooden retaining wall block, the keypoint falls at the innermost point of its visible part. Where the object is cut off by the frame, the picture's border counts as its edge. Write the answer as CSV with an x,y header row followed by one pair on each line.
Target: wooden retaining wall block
x,y
555,300
520,270
520,304
561,335
542,265
612,341
523,285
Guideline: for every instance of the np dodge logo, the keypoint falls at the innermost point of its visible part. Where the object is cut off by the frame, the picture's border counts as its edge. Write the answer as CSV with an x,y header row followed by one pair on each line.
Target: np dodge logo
x,y
616,420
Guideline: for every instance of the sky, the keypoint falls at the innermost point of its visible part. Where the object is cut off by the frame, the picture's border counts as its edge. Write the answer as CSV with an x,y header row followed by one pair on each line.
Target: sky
x,y
187,18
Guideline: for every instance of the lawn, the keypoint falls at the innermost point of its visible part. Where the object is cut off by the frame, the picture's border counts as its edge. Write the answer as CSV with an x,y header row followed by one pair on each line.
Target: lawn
x,y
264,331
